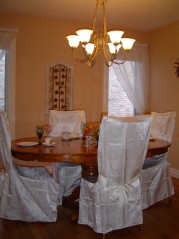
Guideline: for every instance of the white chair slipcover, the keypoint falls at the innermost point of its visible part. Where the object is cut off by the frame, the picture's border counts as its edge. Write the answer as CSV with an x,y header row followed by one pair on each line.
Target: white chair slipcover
x,y
22,198
163,125
67,175
66,121
156,180
115,200
34,164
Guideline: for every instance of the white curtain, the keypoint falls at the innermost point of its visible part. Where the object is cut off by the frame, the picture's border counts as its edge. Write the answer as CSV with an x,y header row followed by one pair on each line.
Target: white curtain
x,y
137,89
8,44
6,37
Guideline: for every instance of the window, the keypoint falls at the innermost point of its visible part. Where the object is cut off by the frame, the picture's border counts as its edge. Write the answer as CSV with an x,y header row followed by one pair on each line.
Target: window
x,y
126,85
7,74
3,81
119,103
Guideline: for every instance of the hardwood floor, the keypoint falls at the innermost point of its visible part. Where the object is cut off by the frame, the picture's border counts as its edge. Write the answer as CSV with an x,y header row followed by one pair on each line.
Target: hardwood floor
x,y
161,221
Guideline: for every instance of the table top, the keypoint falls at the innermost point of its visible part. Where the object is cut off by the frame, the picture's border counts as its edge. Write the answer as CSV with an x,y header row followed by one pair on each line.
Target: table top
x,y
68,151
71,151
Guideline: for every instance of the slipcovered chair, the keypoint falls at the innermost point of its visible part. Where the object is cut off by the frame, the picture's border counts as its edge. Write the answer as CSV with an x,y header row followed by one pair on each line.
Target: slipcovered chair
x,y
156,180
66,121
21,198
115,200
68,175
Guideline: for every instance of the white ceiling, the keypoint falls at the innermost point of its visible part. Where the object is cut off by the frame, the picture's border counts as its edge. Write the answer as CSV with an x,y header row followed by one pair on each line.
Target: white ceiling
x,y
142,15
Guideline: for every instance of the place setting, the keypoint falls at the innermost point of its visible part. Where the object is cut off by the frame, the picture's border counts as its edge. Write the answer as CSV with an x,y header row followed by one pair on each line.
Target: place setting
x,y
48,142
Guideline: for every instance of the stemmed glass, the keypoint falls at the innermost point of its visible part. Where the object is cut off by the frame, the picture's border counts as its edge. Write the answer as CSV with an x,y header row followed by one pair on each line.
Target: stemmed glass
x,y
39,131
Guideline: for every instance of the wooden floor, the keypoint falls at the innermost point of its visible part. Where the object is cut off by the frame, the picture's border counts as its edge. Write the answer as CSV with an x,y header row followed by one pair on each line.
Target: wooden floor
x,y
161,221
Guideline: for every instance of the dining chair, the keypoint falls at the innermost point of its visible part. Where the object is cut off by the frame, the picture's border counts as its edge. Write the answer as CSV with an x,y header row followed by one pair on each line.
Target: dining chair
x,y
68,175
114,201
156,181
24,198
66,121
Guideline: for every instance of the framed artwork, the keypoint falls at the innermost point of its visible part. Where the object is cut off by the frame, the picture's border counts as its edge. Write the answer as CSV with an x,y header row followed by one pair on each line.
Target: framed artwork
x,y
59,87
176,66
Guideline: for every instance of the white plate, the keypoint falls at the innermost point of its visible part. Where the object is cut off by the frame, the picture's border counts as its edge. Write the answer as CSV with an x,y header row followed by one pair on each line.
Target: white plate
x,y
48,145
27,144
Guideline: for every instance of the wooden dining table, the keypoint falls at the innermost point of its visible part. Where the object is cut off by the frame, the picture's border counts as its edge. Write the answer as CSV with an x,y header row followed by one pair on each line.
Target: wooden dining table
x,y
71,151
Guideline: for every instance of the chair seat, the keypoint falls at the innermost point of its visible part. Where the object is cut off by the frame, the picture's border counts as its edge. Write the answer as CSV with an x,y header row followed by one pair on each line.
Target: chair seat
x,y
153,161
38,173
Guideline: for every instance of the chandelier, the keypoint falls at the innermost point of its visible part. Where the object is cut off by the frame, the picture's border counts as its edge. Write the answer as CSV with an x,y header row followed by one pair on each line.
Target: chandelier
x,y
108,42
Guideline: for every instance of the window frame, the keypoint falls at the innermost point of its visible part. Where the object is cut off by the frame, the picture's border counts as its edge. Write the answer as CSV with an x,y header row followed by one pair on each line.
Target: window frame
x,y
10,81
10,90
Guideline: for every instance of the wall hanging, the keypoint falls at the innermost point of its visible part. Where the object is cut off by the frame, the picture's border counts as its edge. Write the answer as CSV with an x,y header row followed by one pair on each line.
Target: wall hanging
x,y
176,66
59,87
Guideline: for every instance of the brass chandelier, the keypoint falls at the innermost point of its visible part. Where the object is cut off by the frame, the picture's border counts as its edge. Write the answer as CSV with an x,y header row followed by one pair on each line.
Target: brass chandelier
x,y
110,43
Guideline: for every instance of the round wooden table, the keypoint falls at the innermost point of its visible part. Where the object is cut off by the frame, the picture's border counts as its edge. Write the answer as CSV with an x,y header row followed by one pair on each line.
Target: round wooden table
x,y
72,151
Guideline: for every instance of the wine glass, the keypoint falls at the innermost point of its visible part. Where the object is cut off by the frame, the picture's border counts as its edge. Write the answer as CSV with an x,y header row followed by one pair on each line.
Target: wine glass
x,y
39,131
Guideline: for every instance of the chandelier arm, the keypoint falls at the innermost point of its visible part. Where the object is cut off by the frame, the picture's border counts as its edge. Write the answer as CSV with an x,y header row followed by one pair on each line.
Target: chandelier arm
x,y
124,60
96,43
104,18
108,63
91,63
92,57
94,17
107,55
78,60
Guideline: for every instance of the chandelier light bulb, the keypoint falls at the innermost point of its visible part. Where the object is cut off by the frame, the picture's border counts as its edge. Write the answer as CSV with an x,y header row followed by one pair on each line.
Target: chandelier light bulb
x,y
115,36
90,48
73,41
84,35
114,49
127,43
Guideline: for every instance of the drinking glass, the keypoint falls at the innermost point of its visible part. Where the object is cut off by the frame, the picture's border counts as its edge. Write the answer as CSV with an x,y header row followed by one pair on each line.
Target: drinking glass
x,y
82,126
47,130
39,131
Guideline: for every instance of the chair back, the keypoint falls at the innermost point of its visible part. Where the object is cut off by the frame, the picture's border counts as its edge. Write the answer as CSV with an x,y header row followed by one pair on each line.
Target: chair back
x,y
66,121
123,143
163,125
5,141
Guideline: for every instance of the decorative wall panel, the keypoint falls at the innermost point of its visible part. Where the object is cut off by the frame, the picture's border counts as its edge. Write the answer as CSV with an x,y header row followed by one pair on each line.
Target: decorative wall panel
x,y
59,88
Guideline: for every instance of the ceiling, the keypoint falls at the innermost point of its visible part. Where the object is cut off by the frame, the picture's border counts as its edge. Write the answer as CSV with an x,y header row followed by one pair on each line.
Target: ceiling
x,y
141,15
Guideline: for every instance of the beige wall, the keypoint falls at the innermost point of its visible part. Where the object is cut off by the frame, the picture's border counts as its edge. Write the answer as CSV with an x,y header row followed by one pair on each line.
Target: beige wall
x,y
42,41
164,85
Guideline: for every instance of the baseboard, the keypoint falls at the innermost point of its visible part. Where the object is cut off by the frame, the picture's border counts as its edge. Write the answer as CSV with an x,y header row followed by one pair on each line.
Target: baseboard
x,y
174,172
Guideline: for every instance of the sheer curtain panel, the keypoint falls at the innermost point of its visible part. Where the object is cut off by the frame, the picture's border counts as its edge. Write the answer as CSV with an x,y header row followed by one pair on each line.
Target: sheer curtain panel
x,y
136,89
8,45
